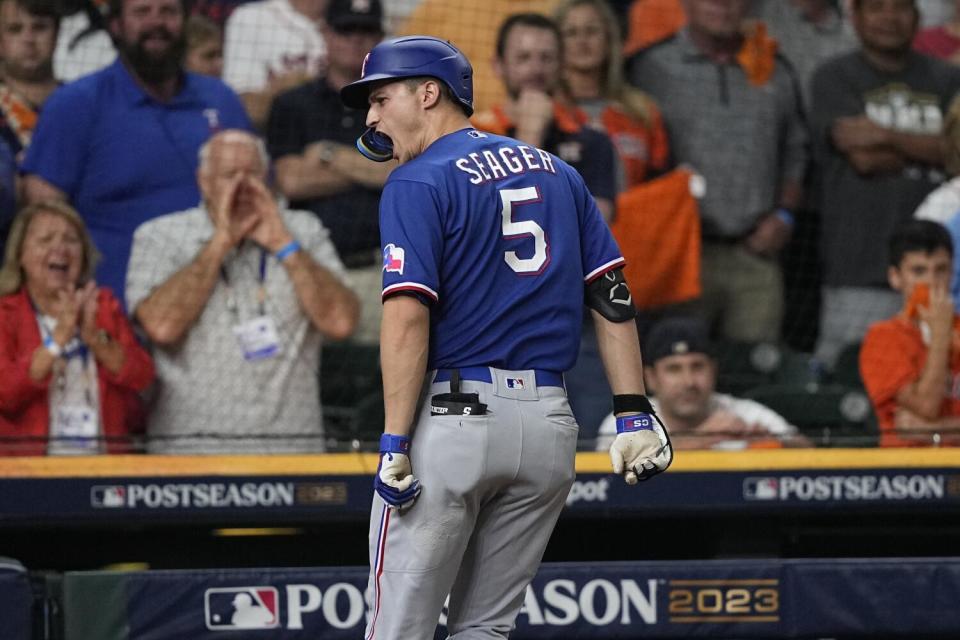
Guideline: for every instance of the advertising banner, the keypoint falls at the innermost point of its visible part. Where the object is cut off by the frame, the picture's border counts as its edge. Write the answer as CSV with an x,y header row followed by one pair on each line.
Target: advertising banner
x,y
299,498
716,599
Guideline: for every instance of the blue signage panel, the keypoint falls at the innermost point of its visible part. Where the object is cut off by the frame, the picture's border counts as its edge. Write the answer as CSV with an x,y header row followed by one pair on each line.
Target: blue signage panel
x,y
289,498
716,599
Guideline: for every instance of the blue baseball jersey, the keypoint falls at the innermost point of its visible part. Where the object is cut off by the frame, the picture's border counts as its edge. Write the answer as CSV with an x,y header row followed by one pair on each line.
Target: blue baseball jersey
x,y
502,238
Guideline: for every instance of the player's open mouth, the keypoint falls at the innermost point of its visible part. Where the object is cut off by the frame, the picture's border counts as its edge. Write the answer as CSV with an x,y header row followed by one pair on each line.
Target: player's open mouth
x,y
60,267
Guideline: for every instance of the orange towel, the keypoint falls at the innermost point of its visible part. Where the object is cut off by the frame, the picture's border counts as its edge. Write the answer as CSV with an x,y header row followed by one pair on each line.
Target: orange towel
x,y
920,297
658,230
757,56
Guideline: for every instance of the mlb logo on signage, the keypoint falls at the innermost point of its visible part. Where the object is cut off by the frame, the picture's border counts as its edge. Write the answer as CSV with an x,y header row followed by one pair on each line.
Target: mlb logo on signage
x,y
514,383
108,496
231,608
761,488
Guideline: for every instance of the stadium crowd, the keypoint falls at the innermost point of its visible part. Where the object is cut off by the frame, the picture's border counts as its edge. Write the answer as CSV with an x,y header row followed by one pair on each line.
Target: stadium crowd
x,y
188,229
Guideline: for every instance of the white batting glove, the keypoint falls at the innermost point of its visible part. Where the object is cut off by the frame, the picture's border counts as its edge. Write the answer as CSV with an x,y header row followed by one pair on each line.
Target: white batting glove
x,y
641,449
395,482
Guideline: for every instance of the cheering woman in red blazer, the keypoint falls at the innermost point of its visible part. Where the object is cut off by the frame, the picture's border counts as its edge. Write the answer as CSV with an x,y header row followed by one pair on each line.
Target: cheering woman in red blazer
x,y
70,366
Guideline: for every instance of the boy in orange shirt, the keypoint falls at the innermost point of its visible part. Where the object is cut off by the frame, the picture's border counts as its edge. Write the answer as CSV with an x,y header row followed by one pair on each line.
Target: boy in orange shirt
x,y
910,363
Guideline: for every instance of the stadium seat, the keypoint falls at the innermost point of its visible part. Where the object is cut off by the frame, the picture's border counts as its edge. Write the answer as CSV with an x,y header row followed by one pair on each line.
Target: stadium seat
x,y
368,421
829,414
349,382
847,368
745,365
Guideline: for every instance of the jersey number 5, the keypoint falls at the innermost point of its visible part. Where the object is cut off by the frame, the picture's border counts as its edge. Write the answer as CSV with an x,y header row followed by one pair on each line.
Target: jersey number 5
x,y
541,251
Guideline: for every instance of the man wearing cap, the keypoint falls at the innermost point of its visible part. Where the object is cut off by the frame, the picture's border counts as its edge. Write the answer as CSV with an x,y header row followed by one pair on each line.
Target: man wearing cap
x,y
311,135
681,371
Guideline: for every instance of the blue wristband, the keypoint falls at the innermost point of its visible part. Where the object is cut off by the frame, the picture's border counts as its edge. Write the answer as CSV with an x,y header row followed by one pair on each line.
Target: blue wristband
x,y
390,443
637,422
291,247
786,216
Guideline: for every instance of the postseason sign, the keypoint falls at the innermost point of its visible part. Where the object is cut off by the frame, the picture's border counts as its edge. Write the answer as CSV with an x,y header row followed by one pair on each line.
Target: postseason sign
x,y
344,491
718,599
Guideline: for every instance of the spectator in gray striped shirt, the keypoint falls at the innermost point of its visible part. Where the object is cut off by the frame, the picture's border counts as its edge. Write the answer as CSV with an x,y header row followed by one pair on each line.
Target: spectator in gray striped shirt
x,y
733,113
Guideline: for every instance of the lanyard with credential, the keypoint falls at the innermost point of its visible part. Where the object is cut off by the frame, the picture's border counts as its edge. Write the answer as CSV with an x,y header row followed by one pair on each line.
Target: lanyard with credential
x,y
261,288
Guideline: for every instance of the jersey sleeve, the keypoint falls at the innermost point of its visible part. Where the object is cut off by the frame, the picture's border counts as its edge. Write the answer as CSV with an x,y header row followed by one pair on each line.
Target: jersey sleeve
x,y
599,252
57,152
411,234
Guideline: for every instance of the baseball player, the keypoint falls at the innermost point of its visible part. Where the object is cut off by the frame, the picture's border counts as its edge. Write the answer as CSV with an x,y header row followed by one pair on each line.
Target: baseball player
x,y
490,249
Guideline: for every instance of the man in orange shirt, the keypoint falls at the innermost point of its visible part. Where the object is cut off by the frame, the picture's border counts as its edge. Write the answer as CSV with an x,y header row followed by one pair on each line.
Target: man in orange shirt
x,y
910,363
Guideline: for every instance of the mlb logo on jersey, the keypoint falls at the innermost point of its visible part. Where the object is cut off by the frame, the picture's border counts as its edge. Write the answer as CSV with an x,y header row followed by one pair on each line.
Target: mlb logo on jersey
x,y
515,383
232,608
393,259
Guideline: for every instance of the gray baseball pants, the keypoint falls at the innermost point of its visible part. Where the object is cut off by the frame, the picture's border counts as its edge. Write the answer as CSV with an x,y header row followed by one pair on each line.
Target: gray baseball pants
x,y
493,488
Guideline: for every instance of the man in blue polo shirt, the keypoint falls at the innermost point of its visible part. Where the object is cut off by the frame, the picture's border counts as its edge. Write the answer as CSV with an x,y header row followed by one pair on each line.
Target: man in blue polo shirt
x,y
121,144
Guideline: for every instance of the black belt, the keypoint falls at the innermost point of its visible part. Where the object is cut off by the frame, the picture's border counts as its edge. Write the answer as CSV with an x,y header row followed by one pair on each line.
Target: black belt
x,y
482,374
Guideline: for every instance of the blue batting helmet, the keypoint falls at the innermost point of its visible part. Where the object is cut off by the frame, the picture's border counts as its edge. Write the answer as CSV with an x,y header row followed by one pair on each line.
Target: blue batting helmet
x,y
411,57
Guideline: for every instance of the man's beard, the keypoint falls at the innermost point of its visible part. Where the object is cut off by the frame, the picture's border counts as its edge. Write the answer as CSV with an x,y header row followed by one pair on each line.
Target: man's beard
x,y
154,68
29,74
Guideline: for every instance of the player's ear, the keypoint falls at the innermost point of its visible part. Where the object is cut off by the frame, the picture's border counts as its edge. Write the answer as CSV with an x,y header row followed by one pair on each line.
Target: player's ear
x,y
431,93
894,278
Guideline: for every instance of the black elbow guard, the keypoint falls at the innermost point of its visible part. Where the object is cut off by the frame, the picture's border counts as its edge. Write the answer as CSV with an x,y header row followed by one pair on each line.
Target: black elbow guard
x,y
609,296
